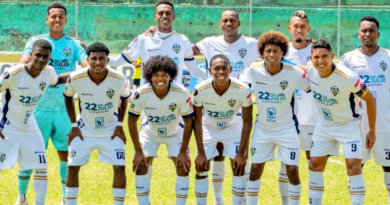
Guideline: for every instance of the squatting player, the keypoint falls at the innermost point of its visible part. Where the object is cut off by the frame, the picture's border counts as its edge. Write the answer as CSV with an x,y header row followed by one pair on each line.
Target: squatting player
x,y
166,105
371,63
220,99
337,91
22,86
274,84
99,90
51,116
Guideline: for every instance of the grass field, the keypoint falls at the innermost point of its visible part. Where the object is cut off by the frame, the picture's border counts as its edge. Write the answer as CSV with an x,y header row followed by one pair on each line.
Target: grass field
x,y
96,181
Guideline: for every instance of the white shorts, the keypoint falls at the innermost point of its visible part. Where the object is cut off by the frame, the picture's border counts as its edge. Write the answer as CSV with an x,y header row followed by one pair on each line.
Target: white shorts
x,y
110,151
327,138
305,135
230,137
263,148
150,144
380,150
28,149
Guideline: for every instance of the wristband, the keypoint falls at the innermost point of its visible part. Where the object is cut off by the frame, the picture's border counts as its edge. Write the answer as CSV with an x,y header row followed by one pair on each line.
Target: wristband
x,y
74,124
119,124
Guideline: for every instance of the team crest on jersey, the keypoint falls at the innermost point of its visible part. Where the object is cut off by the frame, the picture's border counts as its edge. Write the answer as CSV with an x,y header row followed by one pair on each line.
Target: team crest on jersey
x,y
327,114
72,154
242,52
66,50
271,114
162,131
253,151
335,90
2,157
110,93
383,65
283,84
176,48
232,102
172,107
42,86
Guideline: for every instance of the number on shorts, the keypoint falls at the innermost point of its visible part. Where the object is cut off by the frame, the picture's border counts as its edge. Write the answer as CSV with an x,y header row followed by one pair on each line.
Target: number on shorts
x,y
120,155
42,159
292,155
354,147
387,155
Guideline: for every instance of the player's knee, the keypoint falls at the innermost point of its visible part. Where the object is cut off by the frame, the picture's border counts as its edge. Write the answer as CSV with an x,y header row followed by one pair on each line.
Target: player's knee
x,y
256,172
142,169
180,170
63,155
119,172
73,171
293,174
354,168
386,169
316,165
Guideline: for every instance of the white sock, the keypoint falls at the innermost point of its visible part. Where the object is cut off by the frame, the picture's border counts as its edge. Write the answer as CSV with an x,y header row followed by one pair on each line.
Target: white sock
x,y
201,190
283,184
119,196
357,190
238,189
150,170
253,191
71,194
247,172
181,187
387,183
217,176
316,187
22,197
142,187
295,193
40,185
308,162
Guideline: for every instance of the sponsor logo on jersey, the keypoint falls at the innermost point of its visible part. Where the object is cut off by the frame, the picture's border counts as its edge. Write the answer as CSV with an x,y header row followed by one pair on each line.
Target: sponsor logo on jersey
x,y
72,154
242,52
99,122
98,108
253,151
232,102
298,94
42,85
110,93
2,157
27,116
327,114
220,114
59,64
334,90
6,75
237,66
267,97
66,50
283,84
136,95
162,131
23,88
383,65
373,80
176,59
176,48
161,120
172,107
221,124
29,100
271,114
324,99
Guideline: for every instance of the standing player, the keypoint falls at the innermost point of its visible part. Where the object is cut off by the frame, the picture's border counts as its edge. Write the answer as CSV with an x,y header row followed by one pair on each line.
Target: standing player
x,y
336,90
22,86
164,103
164,41
99,91
371,62
274,84
51,116
221,98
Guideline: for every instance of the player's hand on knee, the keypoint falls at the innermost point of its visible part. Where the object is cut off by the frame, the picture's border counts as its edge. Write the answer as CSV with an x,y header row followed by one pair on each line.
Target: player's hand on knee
x,y
370,139
2,136
239,163
185,160
151,30
139,158
74,132
118,132
201,162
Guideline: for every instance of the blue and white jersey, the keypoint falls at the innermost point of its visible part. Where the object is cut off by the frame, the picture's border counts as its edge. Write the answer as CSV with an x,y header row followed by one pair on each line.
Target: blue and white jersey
x,y
66,52
97,102
20,94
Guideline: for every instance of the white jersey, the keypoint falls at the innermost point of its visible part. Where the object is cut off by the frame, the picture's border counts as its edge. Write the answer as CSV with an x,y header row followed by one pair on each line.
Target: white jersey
x,y
240,53
97,102
306,109
20,94
274,94
335,95
221,111
373,70
162,116
175,45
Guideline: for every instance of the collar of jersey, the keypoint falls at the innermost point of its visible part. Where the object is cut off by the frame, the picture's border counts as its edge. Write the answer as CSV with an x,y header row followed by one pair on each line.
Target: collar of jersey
x,y
163,38
47,35
239,37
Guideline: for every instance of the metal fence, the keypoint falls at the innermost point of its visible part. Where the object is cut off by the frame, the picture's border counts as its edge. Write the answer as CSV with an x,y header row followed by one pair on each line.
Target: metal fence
x,y
117,22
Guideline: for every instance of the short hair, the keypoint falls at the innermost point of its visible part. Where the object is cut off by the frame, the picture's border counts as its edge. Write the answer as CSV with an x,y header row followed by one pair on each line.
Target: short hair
x,y
219,56
167,2
273,37
238,16
300,14
159,63
371,19
321,43
42,43
97,47
55,5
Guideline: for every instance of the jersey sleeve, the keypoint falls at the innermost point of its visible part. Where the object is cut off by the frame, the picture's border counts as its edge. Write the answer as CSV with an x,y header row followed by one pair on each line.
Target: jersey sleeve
x,y
197,98
125,93
186,109
69,88
246,97
28,47
132,52
5,81
303,82
189,54
80,54
356,85
136,105
53,77
201,45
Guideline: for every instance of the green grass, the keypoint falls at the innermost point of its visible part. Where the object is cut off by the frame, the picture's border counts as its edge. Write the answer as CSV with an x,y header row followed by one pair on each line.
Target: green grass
x,y
96,181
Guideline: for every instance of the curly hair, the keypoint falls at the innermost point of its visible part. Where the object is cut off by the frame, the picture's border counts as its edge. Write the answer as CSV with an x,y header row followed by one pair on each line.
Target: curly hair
x,y
275,38
97,47
55,5
159,63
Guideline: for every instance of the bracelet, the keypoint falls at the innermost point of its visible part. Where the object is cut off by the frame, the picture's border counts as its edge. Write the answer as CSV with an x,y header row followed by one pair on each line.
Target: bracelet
x,y
74,124
119,124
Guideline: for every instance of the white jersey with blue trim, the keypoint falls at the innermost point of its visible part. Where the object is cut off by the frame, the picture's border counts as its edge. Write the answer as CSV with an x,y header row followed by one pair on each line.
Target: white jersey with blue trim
x,y
274,96
241,53
335,95
98,102
221,111
175,45
374,71
20,94
163,117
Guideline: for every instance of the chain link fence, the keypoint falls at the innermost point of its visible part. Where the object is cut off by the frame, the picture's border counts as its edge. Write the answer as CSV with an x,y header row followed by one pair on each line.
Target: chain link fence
x,y
117,22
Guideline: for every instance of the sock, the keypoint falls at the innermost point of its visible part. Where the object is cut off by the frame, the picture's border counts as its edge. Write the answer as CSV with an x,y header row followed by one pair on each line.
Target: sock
x,y
295,193
247,172
316,187
71,195
253,191
238,189
150,170
283,184
63,172
308,162
142,187
119,196
218,174
201,190
40,185
387,183
23,180
181,187
357,190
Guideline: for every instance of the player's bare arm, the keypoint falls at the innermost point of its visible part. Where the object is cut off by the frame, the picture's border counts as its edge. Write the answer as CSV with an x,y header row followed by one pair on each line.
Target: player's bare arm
x,y
139,155
118,132
195,70
70,108
371,113
201,159
25,59
1,135
184,157
196,51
